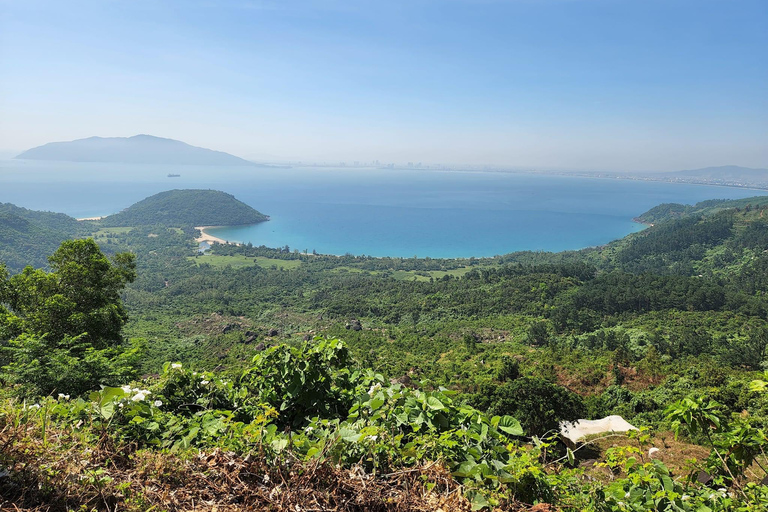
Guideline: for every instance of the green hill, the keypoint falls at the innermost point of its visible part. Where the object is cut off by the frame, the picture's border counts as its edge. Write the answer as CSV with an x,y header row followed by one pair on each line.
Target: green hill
x,y
28,236
710,237
670,211
186,208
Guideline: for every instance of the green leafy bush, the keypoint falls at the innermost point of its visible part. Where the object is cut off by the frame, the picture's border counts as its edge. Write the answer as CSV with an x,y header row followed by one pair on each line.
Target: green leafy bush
x,y
538,404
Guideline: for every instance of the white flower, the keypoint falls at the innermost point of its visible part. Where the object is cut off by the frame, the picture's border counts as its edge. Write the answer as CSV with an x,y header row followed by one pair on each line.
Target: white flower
x,y
176,366
34,406
126,388
373,438
203,382
138,397
685,497
158,403
374,388
63,396
120,405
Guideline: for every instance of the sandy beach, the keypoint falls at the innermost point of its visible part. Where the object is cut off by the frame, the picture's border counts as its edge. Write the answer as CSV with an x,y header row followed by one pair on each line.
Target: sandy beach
x,y
205,237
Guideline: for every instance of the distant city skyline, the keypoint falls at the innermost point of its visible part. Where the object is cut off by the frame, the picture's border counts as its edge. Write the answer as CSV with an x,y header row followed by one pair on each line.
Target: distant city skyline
x,y
635,85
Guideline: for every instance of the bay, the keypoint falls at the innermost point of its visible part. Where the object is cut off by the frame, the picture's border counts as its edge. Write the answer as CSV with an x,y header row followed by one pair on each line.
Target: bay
x,y
377,212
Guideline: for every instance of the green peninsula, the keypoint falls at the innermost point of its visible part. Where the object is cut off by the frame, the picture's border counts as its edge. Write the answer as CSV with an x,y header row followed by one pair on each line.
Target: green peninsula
x,y
185,208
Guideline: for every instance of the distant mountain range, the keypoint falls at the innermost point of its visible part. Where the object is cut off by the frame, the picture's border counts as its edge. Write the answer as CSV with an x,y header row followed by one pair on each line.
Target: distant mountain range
x,y
139,149
726,172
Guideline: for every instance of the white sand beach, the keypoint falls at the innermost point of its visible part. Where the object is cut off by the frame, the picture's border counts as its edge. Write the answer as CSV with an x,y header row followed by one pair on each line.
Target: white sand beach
x,y
205,237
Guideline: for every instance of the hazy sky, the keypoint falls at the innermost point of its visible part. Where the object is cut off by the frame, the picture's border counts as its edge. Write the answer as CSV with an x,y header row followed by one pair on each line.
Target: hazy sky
x,y
578,84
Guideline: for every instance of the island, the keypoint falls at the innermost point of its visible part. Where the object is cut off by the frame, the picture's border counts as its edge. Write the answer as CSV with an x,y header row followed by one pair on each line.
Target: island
x,y
139,149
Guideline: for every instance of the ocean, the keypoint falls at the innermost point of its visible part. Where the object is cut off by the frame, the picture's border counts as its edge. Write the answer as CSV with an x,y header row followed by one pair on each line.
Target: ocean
x,y
376,212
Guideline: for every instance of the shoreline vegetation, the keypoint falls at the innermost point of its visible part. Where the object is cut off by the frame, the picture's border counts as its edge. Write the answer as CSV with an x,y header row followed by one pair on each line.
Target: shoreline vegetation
x,y
638,220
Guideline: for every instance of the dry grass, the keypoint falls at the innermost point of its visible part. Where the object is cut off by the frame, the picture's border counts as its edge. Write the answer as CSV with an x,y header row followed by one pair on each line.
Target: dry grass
x,y
70,472
677,455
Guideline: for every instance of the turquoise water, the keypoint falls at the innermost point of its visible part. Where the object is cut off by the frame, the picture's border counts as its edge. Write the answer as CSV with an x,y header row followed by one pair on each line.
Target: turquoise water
x,y
375,212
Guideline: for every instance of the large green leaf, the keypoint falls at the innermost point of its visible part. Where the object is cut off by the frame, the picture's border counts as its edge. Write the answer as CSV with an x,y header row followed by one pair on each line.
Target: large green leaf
x,y
435,404
105,400
279,444
479,501
376,403
349,435
465,469
510,425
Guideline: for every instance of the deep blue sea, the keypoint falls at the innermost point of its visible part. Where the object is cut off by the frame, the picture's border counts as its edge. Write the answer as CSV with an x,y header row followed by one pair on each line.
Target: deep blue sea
x,y
378,212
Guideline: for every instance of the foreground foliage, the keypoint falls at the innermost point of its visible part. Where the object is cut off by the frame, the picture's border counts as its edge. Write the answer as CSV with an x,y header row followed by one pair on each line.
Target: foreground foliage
x,y
331,416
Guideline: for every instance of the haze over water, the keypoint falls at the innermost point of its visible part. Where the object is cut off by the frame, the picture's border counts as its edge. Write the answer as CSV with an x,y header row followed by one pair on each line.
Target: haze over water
x,y
376,212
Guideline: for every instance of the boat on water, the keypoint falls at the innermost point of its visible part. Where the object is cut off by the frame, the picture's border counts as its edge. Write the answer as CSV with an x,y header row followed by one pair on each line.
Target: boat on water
x,y
174,175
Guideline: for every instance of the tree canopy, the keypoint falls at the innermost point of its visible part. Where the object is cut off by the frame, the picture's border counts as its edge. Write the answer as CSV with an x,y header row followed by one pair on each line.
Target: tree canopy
x,y
62,329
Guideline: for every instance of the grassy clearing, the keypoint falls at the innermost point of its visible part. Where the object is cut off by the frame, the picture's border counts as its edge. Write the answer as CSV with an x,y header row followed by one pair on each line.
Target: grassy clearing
x,y
353,270
407,275
238,261
456,272
410,275
104,232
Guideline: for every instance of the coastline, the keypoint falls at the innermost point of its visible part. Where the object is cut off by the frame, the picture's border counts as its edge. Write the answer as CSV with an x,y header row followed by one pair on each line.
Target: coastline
x,y
637,219
91,218
205,237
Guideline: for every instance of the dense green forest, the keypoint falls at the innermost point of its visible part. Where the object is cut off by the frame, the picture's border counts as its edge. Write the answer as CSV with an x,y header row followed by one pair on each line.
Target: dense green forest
x,y
468,365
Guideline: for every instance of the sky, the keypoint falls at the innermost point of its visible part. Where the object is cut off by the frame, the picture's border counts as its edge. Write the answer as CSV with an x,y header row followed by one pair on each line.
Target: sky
x,y
620,85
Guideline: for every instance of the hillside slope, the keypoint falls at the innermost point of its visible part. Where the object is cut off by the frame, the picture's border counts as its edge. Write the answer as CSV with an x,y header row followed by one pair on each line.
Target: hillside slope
x,y
671,211
28,236
710,237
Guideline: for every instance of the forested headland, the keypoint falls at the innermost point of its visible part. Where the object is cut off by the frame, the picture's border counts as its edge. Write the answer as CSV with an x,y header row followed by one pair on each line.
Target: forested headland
x,y
183,208
290,379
